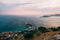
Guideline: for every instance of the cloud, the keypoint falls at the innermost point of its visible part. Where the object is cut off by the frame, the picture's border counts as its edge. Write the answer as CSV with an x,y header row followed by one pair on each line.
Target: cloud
x,y
30,5
37,4
15,1
47,9
46,6
7,8
56,9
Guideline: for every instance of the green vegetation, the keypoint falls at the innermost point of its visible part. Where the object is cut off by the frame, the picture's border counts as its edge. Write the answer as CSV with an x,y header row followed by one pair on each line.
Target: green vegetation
x,y
42,29
54,29
31,33
58,28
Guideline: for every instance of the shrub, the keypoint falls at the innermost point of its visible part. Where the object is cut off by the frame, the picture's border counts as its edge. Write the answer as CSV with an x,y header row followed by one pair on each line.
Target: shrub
x,y
42,29
28,35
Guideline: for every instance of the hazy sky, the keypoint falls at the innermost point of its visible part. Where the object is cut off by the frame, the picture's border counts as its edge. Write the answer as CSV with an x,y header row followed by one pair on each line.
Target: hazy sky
x,y
29,7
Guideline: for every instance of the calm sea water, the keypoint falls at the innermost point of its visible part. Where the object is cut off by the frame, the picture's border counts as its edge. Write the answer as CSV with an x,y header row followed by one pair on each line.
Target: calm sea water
x,y
14,23
53,21
18,23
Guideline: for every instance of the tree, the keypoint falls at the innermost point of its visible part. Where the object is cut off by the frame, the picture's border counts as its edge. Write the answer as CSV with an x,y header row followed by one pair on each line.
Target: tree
x,y
28,35
42,29
53,29
58,28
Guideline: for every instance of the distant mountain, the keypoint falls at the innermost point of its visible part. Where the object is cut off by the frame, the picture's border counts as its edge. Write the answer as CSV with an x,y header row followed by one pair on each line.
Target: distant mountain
x,y
51,15
56,15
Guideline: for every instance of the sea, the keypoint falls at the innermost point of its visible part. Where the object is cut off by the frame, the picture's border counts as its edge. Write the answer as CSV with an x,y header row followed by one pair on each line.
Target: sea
x,y
18,23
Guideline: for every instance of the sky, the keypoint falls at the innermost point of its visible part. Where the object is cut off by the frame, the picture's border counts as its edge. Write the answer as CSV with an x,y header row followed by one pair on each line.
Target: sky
x,y
29,7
